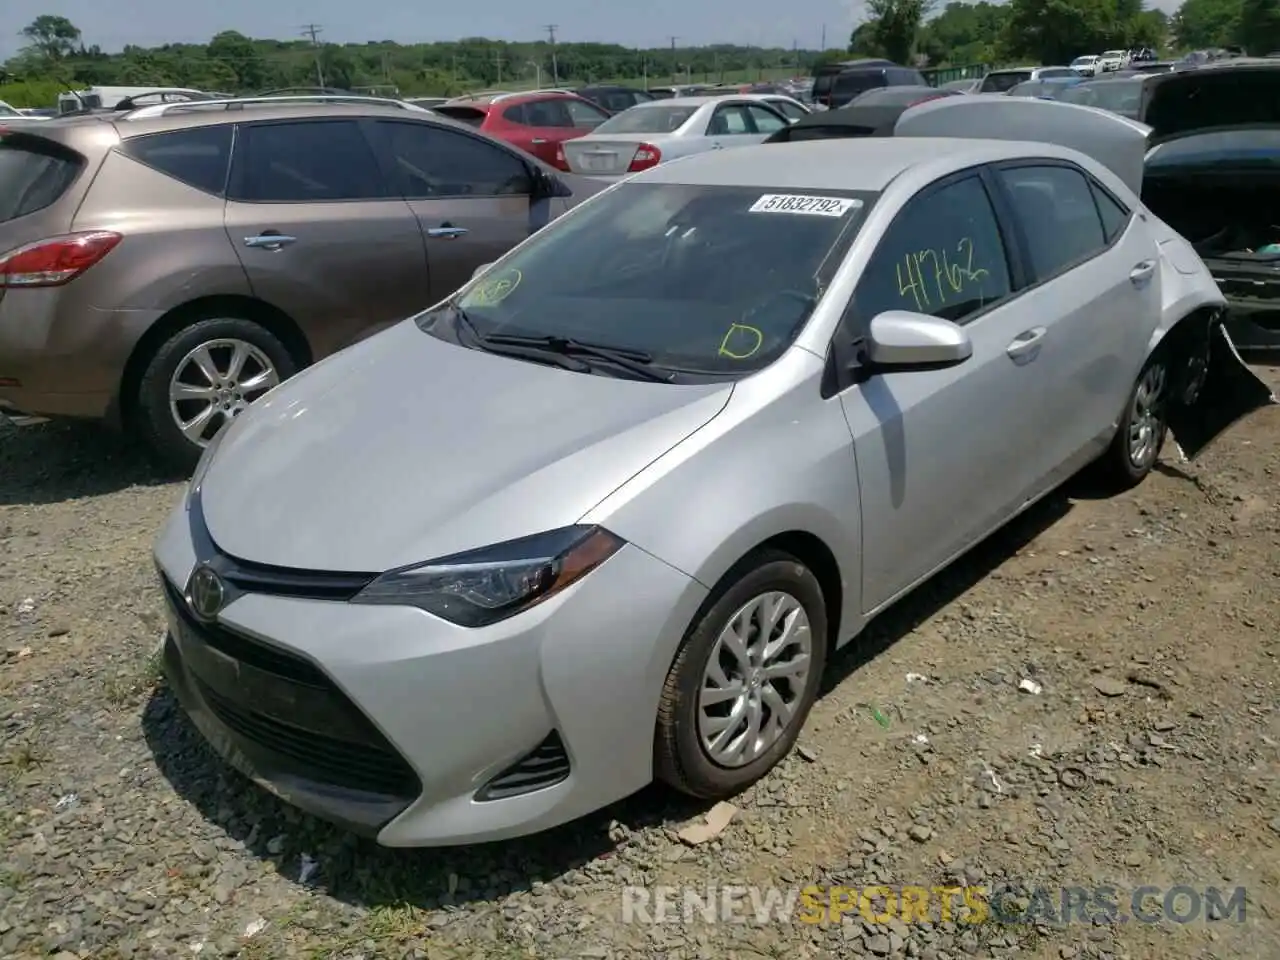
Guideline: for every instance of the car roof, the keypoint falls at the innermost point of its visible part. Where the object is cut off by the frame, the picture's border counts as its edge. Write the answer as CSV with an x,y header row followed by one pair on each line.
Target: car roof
x,y
688,101
870,163
201,114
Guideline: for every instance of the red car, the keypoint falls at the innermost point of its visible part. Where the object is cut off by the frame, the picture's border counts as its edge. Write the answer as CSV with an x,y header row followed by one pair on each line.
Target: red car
x,y
537,121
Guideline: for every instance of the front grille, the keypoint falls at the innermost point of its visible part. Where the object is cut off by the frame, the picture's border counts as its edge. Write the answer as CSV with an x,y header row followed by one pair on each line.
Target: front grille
x,y
546,766
356,766
288,582
267,658
279,704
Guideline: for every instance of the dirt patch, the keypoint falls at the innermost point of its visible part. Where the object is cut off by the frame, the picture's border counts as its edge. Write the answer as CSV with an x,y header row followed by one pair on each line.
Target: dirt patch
x,y
1089,700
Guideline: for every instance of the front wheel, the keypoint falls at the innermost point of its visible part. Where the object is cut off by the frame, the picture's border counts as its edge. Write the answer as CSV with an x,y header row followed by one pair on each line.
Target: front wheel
x,y
743,680
201,378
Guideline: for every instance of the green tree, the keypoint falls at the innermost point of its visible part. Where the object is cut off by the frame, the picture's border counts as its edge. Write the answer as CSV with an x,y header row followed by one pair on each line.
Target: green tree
x,y
1207,23
237,53
964,33
53,37
1058,31
891,30
1258,26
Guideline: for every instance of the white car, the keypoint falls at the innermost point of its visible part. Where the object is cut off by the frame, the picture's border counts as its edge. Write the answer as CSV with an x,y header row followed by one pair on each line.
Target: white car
x,y
789,107
1112,60
1088,66
651,133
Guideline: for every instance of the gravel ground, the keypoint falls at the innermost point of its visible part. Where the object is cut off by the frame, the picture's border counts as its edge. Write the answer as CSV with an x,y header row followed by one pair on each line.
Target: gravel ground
x,y
1090,698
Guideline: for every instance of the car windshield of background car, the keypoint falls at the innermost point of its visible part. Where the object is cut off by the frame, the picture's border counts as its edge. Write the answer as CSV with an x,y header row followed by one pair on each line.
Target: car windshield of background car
x,y
647,119
714,280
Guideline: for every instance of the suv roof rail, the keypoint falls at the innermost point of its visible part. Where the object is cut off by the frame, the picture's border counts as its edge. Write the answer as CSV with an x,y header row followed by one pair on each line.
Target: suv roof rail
x,y
163,109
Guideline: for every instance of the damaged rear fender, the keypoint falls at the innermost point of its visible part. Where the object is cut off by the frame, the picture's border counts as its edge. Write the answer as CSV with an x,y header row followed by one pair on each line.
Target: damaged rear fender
x,y
1210,387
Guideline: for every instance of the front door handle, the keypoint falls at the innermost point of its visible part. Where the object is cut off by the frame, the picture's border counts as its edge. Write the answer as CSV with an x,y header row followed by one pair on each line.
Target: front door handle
x,y
1026,345
269,241
538,140
446,232
1142,272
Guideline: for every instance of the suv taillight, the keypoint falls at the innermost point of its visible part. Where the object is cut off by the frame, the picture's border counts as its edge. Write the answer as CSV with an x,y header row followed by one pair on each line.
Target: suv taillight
x,y
647,155
58,260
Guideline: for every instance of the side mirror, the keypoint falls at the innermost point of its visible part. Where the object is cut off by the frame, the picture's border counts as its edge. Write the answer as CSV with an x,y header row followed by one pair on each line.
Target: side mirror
x,y
547,185
902,340
480,269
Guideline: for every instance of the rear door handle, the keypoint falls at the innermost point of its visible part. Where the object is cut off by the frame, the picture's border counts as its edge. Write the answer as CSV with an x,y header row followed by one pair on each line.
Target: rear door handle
x,y
447,233
538,140
269,241
1142,272
1026,345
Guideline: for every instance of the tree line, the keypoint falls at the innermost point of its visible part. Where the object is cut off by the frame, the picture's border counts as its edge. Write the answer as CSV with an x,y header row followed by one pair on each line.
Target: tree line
x,y
57,57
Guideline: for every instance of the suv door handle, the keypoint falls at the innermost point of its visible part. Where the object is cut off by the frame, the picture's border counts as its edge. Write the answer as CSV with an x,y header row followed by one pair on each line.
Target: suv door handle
x,y
1025,347
269,241
446,232
1142,272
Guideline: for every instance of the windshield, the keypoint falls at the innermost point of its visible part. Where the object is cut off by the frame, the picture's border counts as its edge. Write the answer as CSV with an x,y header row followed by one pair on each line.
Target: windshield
x,y
710,280
1118,96
8,111
1222,148
1000,82
1082,61
646,118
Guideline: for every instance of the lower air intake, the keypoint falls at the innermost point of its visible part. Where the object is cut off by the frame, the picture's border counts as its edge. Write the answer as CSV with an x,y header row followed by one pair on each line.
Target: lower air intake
x,y
545,766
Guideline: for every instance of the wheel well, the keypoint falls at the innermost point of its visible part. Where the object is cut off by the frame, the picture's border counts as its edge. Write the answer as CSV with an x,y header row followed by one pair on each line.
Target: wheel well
x,y
817,556
1183,326
280,324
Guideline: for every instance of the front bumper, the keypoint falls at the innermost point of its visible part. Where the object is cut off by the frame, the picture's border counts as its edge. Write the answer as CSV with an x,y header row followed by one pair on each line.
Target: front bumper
x,y
390,722
1253,303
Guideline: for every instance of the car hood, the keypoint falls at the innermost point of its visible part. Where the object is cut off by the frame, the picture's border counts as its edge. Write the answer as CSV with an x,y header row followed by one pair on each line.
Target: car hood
x,y
405,448
1186,101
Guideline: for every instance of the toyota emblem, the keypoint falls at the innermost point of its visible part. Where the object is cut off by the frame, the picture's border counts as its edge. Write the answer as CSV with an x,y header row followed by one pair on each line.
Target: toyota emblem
x,y
205,593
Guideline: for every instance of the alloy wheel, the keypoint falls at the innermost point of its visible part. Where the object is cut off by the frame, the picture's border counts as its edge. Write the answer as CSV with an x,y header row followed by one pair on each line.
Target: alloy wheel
x,y
754,679
215,382
1146,423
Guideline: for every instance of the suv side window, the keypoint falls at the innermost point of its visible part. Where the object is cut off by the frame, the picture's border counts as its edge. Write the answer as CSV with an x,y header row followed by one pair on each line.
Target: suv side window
x,y
1059,217
547,113
430,161
583,115
197,157
765,120
942,255
307,161
1115,215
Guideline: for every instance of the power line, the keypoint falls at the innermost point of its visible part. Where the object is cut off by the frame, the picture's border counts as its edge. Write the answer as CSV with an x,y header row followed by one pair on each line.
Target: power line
x,y
551,37
313,30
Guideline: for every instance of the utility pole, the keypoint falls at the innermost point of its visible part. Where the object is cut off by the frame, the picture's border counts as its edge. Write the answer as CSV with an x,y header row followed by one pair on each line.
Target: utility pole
x,y
675,67
313,31
497,62
824,37
551,37
795,57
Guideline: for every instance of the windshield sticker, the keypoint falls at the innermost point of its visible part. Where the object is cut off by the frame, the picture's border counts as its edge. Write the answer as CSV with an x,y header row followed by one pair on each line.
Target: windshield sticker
x,y
741,342
810,206
493,290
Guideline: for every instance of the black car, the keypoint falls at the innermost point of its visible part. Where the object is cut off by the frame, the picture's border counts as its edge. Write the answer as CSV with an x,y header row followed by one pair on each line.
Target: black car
x,y
614,99
874,114
836,84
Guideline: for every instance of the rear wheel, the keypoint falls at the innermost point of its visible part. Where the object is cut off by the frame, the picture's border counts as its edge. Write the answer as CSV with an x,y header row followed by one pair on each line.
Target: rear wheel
x,y
744,679
201,378
1137,443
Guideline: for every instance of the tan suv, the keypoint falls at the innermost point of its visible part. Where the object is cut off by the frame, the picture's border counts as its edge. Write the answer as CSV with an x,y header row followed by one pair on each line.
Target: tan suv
x,y
162,268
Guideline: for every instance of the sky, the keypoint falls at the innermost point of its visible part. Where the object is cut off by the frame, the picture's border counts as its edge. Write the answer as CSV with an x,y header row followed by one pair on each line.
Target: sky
x,y
643,23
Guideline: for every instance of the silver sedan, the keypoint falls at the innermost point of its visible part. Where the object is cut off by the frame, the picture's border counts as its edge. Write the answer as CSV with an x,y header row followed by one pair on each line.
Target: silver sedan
x,y
650,133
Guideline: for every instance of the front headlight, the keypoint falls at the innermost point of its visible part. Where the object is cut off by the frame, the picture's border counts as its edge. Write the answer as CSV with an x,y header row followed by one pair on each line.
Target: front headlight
x,y
480,587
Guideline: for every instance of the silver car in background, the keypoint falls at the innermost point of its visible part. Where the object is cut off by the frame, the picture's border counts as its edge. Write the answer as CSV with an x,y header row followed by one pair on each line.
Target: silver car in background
x,y
651,133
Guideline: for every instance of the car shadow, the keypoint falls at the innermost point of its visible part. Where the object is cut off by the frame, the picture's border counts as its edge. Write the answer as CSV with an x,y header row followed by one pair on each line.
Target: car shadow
x,y
53,462
358,871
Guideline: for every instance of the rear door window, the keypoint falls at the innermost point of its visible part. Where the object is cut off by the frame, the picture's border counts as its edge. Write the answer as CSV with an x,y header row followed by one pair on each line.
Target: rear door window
x,y
547,113
1058,214
309,161
584,115
431,161
197,157
34,173
849,85
1000,82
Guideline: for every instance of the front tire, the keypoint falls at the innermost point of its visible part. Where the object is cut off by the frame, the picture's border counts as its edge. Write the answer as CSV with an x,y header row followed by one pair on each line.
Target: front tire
x,y
200,379
744,679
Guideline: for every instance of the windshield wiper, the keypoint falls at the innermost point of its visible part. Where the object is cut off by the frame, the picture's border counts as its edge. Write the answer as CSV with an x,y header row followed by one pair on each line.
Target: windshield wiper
x,y
637,362
534,350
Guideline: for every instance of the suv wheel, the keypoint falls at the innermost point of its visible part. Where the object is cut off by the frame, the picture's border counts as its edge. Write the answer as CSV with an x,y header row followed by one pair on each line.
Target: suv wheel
x,y
201,378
